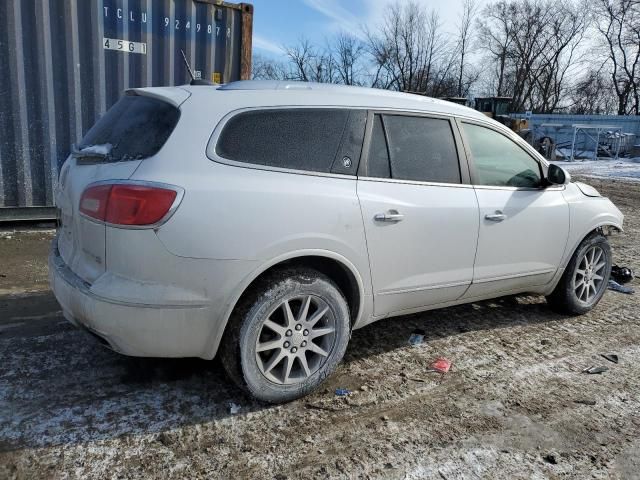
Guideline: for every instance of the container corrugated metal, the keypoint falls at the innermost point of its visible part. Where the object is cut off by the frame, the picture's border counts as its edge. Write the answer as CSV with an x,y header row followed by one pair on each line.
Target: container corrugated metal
x,y
65,62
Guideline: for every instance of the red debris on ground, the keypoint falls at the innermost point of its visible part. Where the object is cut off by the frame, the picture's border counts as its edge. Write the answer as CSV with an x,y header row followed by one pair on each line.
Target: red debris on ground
x,y
441,365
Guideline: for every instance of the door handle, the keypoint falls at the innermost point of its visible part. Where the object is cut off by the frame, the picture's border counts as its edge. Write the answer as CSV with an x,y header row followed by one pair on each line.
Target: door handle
x,y
495,217
392,216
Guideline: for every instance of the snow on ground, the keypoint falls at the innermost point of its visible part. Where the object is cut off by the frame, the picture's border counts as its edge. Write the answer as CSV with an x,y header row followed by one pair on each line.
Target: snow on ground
x,y
623,168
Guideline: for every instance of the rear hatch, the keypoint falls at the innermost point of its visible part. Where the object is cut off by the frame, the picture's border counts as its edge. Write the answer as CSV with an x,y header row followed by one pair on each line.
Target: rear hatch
x,y
134,129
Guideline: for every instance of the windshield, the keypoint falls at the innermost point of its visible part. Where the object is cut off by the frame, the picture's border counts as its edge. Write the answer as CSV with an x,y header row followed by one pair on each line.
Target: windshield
x,y
136,127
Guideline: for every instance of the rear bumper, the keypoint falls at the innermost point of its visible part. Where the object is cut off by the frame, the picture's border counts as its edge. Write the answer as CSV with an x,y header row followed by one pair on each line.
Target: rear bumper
x,y
150,329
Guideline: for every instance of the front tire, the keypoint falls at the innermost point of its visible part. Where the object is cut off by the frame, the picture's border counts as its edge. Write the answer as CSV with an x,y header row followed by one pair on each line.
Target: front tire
x,y
287,335
585,279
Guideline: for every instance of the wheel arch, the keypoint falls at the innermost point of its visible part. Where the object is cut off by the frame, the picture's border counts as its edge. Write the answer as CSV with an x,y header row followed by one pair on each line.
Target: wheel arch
x,y
335,266
605,227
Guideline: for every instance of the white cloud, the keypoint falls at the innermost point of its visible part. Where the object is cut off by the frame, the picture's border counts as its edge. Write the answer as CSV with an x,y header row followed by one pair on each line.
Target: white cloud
x,y
355,16
449,11
266,45
342,19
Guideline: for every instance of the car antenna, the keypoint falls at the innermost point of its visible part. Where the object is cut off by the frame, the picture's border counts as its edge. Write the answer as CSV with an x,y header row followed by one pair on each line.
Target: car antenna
x,y
193,81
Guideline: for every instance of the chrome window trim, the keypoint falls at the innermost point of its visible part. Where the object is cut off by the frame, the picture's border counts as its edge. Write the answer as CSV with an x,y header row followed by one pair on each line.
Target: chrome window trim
x,y
461,185
525,189
266,168
415,182
176,202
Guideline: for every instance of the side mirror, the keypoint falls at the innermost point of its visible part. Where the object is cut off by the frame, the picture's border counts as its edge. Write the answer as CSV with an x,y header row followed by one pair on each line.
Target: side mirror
x,y
557,175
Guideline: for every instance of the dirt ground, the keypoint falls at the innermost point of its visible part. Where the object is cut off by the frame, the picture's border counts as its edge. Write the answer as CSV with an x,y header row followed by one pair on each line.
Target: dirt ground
x,y
514,405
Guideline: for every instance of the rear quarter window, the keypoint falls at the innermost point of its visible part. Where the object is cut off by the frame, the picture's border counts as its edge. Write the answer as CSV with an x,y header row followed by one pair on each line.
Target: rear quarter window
x,y
319,140
136,127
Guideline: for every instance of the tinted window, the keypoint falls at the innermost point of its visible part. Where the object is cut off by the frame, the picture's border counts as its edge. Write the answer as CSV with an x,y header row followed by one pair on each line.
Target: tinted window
x,y
378,154
135,126
499,161
421,149
348,157
302,139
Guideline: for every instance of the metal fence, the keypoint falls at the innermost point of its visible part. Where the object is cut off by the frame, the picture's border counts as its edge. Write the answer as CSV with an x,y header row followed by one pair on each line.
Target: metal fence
x,y
65,62
561,128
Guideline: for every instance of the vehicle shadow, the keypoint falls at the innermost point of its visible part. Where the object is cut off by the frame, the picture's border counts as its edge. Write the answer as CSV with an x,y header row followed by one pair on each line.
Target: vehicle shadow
x,y
393,333
58,386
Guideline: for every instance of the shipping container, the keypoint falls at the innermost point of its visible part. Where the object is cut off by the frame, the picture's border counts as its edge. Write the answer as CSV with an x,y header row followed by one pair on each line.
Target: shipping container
x,y
63,63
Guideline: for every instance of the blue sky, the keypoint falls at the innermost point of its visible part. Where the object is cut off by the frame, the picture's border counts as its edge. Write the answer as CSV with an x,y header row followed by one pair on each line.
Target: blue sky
x,y
283,22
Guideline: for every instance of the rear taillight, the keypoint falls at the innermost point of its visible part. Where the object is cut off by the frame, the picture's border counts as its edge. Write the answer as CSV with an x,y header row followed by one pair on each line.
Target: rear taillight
x,y
93,202
127,203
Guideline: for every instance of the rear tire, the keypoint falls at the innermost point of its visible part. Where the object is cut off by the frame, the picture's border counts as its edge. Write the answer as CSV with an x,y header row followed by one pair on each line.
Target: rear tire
x,y
287,335
585,279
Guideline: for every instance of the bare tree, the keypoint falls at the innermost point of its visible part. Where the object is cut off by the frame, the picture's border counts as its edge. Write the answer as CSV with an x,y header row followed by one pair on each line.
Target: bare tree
x,y
264,68
347,53
532,45
532,51
340,61
410,52
566,31
469,9
300,58
618,22
593,95
496,32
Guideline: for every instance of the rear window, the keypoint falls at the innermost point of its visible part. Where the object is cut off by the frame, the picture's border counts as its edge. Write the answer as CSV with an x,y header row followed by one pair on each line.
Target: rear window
x,y
300,139
135,127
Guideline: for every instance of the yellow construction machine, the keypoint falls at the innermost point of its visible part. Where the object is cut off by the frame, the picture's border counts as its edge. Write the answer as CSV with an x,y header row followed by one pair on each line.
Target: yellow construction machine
x,y
498,109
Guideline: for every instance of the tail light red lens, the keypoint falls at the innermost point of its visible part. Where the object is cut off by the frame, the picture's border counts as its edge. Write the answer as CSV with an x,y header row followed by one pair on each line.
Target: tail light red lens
x,y
127,204
93,202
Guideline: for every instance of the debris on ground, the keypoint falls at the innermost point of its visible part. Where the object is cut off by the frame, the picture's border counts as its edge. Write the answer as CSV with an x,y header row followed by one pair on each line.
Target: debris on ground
x,y
551,458
441,365
621,275
234,408
612,357
416,337
164,438
616,287
595,370
342,392
585,402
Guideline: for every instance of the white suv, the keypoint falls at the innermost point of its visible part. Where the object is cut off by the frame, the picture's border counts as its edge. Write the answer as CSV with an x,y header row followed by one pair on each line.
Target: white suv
x,y
264,221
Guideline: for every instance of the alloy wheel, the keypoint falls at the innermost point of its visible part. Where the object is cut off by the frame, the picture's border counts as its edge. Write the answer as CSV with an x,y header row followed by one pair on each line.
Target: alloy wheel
x,y
295,339
588,279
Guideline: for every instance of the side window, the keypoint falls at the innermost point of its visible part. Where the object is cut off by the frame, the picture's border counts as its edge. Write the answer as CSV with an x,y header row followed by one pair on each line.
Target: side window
x,y
301,139
499,161
416,148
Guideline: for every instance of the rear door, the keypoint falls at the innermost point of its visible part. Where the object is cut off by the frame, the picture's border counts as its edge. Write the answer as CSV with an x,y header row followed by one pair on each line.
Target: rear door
x,y
419,211
135,128
524,225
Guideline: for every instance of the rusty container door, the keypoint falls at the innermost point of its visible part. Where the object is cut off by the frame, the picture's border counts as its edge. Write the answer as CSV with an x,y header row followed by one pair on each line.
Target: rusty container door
x,y
63,63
